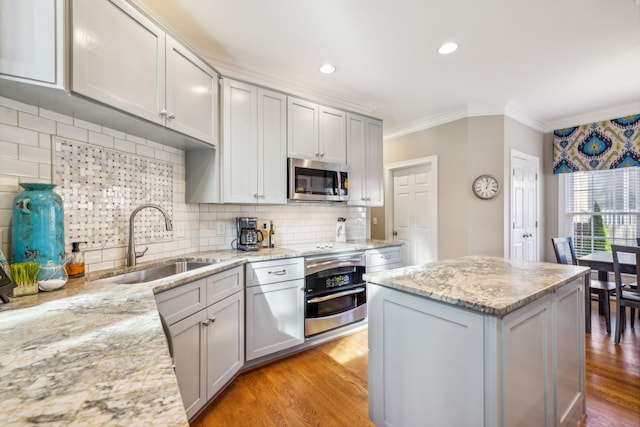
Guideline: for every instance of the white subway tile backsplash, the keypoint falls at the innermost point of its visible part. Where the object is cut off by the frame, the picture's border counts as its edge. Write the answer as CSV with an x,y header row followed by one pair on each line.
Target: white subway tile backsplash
x,y
87,125
101,139
8,150
48,114
45,172
8,116
18,135
135,139
112,132
37,123
126,146
34,154
20,168
71,132
17,105
142,150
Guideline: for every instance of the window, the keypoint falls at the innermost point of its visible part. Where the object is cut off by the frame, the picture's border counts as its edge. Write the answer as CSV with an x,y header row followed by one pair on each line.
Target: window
x,y
602,208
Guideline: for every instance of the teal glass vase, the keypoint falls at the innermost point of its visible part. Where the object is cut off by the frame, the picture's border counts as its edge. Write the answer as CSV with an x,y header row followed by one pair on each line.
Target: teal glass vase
x,y
38,225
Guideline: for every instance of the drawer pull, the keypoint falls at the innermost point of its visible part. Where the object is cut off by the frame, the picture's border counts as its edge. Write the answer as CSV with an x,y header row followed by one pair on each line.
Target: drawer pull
x,y
385,256
279,272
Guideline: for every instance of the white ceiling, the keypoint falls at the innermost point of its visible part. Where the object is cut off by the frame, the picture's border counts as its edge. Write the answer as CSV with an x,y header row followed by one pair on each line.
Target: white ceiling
x,y
547,63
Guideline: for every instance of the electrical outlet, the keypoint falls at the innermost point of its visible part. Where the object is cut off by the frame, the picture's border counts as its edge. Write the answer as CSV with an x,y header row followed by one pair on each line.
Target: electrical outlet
x,y
179,230
375,220
221,228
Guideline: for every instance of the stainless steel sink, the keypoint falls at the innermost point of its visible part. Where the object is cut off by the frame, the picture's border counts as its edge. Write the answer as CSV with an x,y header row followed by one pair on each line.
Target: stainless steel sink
x,y
154,273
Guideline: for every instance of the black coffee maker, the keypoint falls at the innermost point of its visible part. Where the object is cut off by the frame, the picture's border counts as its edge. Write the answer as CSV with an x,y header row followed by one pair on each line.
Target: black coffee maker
x,y
248,234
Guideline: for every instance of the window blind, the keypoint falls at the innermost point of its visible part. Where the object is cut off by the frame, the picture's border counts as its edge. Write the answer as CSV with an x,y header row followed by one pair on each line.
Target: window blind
x,y
602,207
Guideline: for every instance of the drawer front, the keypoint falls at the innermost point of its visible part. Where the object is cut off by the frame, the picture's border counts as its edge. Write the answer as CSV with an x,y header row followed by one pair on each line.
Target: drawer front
x,y
223,284
264,272
384,267
181,302
383,257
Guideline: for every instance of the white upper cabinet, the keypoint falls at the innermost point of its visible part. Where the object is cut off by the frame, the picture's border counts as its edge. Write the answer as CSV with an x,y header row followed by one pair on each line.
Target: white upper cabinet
x,y
316,132
254,144
34,32
333,136
123,59
364,142
191,93
302,125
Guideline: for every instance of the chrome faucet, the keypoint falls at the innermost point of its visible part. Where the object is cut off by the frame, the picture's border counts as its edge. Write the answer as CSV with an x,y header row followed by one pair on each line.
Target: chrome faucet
x,y
132,255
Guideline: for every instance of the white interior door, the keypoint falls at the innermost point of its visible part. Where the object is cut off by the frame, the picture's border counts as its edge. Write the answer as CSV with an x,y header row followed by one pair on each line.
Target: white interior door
x,y
414,212
524,207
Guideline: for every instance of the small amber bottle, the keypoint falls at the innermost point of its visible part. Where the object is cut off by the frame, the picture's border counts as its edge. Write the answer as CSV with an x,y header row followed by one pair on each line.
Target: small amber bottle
x,y
75,266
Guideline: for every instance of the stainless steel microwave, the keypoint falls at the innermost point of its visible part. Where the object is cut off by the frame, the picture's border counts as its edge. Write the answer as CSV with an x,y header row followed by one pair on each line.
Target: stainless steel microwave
x,y
313,180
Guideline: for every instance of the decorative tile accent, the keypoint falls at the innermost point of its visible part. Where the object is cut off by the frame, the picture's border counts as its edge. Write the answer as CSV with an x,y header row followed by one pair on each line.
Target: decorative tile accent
x,y
101,187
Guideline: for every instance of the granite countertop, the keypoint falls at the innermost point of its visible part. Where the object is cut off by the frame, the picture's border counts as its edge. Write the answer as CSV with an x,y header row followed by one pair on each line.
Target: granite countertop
x,y
95,353
489,285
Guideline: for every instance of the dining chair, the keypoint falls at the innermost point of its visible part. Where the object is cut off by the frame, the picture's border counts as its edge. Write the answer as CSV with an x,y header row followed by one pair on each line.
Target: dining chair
x,y
565,254
626,296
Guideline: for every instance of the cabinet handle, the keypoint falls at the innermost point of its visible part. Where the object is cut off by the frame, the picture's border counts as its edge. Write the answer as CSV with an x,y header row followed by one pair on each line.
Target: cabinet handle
x,y
164,112
212,319
172,116
255,195
205,322
321,154
385,256
279,272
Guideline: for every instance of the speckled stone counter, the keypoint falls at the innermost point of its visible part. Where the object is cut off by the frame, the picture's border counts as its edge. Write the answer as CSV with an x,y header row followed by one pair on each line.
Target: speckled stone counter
x,y
95,353
488,285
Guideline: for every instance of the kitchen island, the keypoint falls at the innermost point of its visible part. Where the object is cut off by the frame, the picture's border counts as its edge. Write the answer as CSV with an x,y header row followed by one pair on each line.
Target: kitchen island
x,y
477,341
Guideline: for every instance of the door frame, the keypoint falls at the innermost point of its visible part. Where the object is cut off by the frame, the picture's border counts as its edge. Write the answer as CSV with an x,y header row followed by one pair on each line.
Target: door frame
x,y
389,169
514,154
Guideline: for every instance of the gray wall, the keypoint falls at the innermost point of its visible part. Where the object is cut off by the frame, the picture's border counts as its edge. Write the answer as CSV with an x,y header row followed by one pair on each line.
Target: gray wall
x,y
467,148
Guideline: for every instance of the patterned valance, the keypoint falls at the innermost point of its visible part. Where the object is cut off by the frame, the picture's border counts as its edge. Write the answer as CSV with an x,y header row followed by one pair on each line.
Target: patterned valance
x,y
603,145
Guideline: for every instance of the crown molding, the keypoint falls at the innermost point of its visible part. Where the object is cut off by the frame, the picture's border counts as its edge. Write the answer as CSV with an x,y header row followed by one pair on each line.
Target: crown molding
x,y
239,71
594,116
508,108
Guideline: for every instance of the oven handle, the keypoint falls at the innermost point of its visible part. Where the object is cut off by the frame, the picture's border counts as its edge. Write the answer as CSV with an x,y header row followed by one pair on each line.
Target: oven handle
x,y
334,261
336,295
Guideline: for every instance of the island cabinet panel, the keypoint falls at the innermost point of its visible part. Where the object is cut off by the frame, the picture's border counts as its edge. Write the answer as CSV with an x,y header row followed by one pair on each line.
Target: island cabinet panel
x,y
528,365
425,358
526,368
571,357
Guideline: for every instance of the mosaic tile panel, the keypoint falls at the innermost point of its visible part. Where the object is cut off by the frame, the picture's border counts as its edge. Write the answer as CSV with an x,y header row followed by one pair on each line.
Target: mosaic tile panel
x,y
101,187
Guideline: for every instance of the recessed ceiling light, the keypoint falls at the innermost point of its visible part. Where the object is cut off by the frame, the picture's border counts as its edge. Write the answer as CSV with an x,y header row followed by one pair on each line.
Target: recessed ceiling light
x,y
447,48
327,69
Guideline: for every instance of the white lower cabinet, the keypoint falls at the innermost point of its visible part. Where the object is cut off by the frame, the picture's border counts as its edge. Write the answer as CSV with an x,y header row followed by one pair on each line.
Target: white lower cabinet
x,y
525,369
206,326
275,306
383,259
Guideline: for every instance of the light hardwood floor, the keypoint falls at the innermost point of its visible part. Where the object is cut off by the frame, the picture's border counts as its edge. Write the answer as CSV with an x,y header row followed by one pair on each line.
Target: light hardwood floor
x,y
327,385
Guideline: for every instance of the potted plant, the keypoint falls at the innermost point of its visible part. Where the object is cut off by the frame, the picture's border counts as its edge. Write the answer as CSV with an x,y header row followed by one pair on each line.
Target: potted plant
x,y
25,276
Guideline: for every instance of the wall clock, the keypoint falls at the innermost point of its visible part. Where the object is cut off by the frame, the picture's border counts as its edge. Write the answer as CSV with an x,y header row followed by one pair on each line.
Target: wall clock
x,y
486,187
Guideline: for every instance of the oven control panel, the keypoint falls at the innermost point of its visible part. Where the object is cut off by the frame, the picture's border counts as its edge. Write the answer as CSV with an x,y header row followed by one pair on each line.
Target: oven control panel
x,y
336,281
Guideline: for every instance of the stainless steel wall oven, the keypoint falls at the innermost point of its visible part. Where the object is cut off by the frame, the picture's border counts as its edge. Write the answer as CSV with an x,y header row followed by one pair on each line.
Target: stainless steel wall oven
x,y
335,294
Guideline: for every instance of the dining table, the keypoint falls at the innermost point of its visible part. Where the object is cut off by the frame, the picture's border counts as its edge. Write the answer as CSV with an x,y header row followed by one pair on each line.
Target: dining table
x,y
602,262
